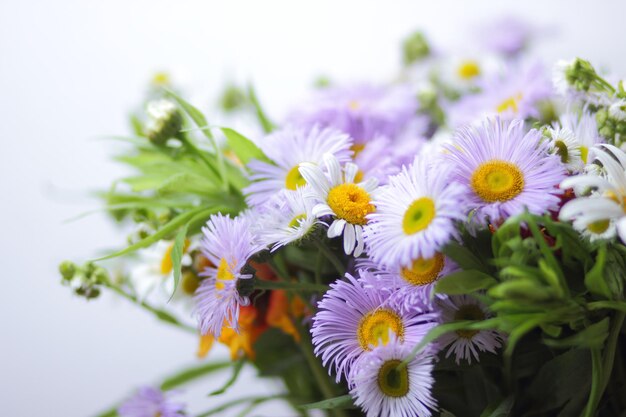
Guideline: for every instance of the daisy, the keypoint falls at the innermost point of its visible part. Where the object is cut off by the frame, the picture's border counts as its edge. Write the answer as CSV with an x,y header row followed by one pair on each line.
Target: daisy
x,y
505,170
362,111
415,215
507,35
285,219
358,314
415,283
151,402
287,149
381,389
572,138
465,344
154,268
601,213
338,196
515,93
227,244
375,160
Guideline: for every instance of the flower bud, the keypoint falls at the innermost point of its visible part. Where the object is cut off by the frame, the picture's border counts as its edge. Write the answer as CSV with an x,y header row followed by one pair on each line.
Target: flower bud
x,y
415,48
165,121
67,270
232,99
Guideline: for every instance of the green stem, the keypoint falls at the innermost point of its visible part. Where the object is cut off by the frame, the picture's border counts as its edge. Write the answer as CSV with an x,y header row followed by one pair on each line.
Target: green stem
x,y
290,286
158,313
329,390
596,383
318,268
331,257
611,347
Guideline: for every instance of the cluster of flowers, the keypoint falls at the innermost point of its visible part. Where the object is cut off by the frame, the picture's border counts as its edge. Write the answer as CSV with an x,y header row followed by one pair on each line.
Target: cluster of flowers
x,y
371,168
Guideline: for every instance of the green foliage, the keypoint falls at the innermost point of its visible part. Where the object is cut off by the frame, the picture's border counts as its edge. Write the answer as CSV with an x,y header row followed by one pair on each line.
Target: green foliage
x,y
243,147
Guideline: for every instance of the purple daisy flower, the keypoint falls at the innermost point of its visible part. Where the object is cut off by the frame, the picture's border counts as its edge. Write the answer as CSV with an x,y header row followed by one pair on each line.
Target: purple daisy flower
x,y
415,215
362,111
515,93
228,244
507,35
151,402
381,389
505,170
358,314
287,149
465,344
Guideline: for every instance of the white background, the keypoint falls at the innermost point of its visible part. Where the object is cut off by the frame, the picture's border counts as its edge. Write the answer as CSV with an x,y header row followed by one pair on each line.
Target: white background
x,y
70,71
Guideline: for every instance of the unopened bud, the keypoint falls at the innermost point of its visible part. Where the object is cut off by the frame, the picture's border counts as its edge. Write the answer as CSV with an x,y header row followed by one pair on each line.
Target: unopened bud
x,y
165,122
232,98
415,48
67,270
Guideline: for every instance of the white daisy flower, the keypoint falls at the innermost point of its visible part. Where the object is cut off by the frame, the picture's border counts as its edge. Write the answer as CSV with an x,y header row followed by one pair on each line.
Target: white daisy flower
x,y
381,389
572,137
415,215
465,344
154,269
617,110
286,218
287,149
600,209
338,196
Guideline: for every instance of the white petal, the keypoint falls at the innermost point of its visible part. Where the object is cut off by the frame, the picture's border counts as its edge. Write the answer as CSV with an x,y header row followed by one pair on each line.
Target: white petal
x,y
320,210
359,241
334,169
315,178
621,229
348,239
350,172
336,228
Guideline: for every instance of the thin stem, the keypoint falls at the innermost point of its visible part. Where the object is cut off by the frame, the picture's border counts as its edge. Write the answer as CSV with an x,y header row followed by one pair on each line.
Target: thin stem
x,y
611,347
331,257
159,313
318,268
197,152
596,383
329,390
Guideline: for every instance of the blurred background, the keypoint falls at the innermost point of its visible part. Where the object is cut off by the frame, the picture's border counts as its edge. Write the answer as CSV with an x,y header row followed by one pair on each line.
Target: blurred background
x,y
71,71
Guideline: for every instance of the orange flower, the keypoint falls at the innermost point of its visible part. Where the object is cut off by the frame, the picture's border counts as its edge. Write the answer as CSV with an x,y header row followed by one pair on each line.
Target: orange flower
x,y
282,311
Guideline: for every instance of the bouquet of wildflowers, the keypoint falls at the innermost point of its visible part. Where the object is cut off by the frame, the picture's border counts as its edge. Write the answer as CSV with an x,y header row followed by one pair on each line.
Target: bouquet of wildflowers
x,y
450,243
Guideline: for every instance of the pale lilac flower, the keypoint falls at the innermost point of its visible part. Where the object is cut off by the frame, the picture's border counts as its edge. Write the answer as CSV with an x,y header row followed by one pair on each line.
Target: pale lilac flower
x,y
466,344
287,149
151,402
415,215
362,111
382,390
505,170
357,314
228,244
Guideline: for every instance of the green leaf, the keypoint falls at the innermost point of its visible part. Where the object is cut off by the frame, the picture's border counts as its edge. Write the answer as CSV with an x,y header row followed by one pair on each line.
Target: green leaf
x,y
464,282
239,401
290,286
243,147
163,232
592,336
267,125
237,367
344,401
594,279
502,409
192,373
464,257
524,289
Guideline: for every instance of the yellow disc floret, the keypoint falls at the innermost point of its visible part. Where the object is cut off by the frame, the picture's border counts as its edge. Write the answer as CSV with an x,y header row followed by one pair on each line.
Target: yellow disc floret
x,y
295,222
497,181
423,271
599,227
468,312
393,382
224,273
294,179
510,104
468,69
418,215
374,328
350,202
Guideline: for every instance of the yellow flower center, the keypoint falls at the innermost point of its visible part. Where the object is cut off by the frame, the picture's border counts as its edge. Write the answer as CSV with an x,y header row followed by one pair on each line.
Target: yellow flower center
x,y
584,153
497,181
357,148
374,328
423,271
350,202
190,283
599,227
510,104
418,215
295,222
468,69
354,105
224,273
391,381
468,312
562,151
294,179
